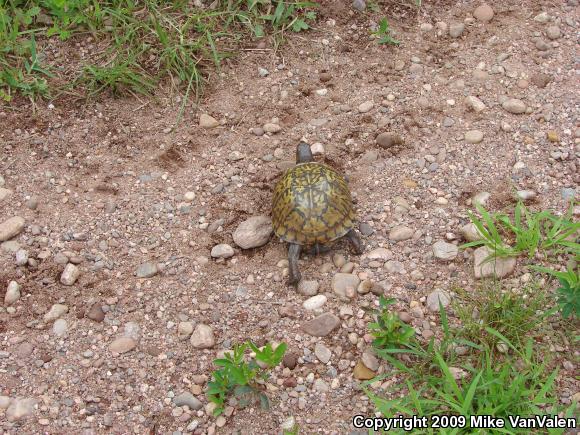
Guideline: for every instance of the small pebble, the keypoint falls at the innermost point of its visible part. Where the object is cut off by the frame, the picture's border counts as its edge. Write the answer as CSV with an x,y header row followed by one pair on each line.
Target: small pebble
x,y
222,250
314,303
70,274
207,121
456,30
515,106
202,337
365,107
483,13
12,293
474,136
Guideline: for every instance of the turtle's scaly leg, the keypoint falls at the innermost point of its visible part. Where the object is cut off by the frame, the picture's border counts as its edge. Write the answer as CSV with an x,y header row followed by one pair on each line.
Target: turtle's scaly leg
x,y
318,249
354,240
293,256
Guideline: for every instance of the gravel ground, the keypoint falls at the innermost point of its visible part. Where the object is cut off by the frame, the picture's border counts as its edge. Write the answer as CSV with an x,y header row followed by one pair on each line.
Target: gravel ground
x,y
123,272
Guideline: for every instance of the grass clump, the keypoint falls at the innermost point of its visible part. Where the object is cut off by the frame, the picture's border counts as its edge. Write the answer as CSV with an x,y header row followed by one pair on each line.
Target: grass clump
x,y
540,236
516,385
140,43
241,378
529,232
514,315
433,379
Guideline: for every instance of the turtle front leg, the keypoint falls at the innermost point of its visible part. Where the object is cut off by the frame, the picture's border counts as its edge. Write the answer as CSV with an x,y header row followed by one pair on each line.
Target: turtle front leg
x,y
354,240
293,256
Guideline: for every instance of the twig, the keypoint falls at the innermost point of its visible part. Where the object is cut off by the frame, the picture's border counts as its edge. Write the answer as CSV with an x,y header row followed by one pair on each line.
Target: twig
x,y
10,164
259,301
141,106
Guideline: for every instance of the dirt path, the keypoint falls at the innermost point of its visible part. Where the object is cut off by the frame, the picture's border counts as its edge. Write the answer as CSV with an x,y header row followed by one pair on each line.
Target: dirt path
x,y
104,186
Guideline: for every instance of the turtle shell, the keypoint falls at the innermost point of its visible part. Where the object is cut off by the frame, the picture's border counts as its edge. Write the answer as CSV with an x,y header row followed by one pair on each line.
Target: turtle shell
x,y
312,205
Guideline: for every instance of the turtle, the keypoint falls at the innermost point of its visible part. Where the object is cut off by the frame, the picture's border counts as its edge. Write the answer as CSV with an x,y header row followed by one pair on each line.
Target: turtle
x,y
312,206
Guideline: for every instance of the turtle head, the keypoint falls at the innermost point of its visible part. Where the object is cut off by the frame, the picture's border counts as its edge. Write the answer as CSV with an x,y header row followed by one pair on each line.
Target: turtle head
x,y
304,153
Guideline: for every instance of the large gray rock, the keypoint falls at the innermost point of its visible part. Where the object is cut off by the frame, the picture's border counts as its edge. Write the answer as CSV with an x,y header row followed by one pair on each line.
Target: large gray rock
x,y
456,29
400,233
20,408
435,297
207,121
474,103
308,287
60,327
147,270
470,232
253,232
345,284
12,293
380,254
445,251
370,360
483,13
498,267
322,352
314,303
515,106
322,325
4,193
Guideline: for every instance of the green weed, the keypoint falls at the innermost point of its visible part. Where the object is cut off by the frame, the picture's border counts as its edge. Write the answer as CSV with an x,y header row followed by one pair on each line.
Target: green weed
x,y
294,431
240,378
569,290
383,33
389,331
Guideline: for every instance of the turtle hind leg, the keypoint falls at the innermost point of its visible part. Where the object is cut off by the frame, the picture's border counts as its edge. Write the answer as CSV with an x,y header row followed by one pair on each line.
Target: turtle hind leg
x,y
355,241
293,256
318,249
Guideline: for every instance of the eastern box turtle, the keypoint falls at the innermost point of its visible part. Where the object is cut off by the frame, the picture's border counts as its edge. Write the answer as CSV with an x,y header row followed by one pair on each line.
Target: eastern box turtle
x,y
312,206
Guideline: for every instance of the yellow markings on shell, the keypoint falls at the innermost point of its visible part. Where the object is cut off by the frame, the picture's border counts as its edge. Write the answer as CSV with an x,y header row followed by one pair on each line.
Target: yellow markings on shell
x,y
311,204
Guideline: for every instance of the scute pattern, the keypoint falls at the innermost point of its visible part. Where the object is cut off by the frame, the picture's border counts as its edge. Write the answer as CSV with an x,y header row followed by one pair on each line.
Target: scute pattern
x,y
312,204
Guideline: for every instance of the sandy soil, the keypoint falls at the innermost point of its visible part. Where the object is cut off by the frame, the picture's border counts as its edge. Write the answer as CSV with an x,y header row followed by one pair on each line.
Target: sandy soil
x,y
103,185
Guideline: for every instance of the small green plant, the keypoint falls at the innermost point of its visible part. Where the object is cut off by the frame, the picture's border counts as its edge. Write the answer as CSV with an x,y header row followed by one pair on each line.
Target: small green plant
x,y
242,378
373,6
66,16
515,385
383,33
294,431
389,331
569,290
528,233
491,305
119,77
290,15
